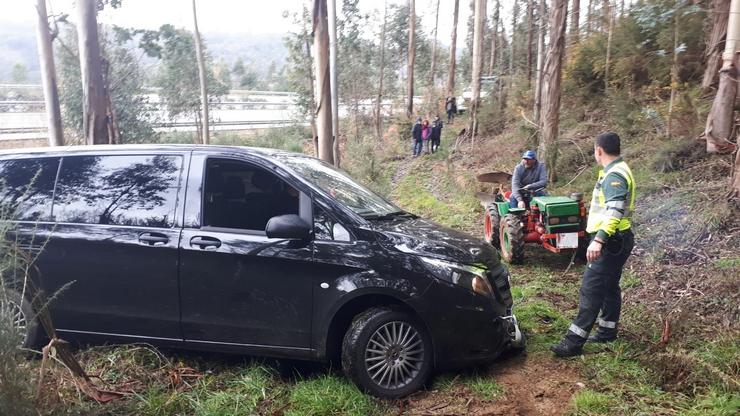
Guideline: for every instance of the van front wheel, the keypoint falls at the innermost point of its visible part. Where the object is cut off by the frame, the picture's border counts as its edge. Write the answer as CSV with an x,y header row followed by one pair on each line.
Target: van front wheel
x,y
387,353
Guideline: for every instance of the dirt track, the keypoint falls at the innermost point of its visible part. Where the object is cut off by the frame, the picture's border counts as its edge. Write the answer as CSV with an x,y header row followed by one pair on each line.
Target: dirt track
x,y
536,385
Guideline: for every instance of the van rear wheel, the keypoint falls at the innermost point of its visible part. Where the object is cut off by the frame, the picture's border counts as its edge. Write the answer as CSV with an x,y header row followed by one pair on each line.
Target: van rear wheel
x,y
387,353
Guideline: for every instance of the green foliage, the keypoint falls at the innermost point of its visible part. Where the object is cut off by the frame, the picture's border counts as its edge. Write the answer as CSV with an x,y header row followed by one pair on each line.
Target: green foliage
x,y
244,76
178,73
330,395
19,74
299,69
126,82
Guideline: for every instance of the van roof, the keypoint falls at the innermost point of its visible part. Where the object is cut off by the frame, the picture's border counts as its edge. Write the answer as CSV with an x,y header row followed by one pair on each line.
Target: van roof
x,y
108,148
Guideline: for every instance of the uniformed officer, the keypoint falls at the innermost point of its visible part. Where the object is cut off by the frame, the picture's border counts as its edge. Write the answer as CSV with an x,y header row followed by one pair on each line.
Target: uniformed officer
x,y
612,205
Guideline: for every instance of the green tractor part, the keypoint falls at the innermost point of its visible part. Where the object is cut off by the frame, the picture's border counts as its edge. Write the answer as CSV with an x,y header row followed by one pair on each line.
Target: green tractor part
x,y
557,223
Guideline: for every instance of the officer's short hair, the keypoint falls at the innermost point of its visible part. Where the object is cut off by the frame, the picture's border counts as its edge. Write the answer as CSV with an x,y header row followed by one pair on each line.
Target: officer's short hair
x,y
609,141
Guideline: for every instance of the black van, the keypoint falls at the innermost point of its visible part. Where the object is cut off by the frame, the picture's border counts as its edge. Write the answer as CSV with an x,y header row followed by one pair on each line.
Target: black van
x,y
251,251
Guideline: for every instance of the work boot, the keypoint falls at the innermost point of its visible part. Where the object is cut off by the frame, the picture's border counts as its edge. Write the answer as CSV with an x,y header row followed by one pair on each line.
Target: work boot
x,y
602,338
565,349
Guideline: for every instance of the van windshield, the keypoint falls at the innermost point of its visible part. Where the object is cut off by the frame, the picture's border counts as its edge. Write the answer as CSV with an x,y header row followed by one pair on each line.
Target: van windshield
x,y
340,186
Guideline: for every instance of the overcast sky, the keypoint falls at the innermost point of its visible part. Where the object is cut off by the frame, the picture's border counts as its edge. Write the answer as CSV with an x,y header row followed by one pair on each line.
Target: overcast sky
x,y
231,16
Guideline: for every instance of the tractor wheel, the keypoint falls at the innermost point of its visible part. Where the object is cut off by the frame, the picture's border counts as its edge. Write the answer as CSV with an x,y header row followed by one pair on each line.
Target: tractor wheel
x,y
512,239
491,223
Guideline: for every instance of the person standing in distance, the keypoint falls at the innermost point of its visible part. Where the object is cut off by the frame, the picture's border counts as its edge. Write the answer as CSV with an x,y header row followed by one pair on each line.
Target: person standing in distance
x,y
610,223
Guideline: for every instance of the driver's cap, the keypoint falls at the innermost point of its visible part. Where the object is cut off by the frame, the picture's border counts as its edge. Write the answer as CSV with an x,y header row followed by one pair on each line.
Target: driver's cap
x,y
529,154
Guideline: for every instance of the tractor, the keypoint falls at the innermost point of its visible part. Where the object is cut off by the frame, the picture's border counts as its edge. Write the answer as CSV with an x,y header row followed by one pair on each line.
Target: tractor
x,y
557,223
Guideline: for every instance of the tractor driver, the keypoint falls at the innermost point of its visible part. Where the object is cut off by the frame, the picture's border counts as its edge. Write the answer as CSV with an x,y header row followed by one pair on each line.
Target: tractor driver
x,y
530,175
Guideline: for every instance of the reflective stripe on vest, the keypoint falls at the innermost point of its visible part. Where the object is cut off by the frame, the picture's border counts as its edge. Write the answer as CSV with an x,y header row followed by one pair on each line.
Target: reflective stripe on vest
x,y
600,210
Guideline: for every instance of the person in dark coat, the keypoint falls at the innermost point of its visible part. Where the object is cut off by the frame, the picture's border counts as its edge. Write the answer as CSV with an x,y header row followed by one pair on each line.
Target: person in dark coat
x,y
416,137
451,109
436,133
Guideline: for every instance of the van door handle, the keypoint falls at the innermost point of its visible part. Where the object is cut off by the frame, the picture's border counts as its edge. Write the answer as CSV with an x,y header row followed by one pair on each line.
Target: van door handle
x,y
153,239
205,242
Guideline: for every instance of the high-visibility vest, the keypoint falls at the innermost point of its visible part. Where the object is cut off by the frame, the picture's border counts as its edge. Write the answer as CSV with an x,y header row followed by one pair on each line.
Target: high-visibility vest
x,y
599,210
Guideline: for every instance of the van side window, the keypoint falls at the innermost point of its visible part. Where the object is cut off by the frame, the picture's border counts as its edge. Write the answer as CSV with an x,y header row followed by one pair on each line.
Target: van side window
x,y
26,188
324,227
243,196
139,190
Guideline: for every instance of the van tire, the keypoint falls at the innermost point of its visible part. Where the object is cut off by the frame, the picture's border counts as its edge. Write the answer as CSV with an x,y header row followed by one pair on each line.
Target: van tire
x,y
400,333
22,312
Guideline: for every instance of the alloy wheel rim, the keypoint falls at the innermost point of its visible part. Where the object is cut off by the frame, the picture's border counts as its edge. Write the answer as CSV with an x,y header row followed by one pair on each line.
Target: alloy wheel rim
x,y
394,355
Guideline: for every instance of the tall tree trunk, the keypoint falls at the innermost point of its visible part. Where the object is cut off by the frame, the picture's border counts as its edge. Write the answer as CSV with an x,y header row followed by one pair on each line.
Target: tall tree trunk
x,y
575,22
674,71
333,80
411,59
551,87
312,100
110,112
589,17
379,101
720,121
202,76
434,47
321,55
530,38
514,19
479,22
48,76
494,38
542,12
94,122
719,12
605,13
609,51
453,57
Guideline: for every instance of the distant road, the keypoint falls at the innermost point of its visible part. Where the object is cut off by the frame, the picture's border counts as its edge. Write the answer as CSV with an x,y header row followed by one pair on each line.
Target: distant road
x,y
25,119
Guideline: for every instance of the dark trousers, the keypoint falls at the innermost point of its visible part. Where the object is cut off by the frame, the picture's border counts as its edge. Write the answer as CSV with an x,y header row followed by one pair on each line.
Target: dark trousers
x,y
600,291
450,116
418,147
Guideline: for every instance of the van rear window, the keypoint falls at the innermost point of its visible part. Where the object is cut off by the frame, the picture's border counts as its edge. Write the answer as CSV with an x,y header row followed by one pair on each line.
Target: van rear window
x,y
139,190
26,188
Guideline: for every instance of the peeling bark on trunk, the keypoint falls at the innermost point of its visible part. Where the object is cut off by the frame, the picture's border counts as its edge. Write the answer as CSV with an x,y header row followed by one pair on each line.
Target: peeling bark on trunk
x,y
514,18
719,13
434,47
321,55
379,101
609,52
332,20
540,63
94,123
453,57
494,38
551,87
530,38
412,58
48,76
202,76
479,22
312,104
721,120
575,21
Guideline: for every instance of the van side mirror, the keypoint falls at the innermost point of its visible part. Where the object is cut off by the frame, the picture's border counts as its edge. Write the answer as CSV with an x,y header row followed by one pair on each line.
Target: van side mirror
x,y
288,227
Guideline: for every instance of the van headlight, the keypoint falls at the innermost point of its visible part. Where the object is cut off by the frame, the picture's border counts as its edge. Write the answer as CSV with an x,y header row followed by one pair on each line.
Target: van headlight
x,y
471,277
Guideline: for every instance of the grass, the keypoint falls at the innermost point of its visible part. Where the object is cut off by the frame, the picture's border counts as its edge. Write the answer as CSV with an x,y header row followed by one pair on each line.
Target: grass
x,y
331,395
588,402
485,387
